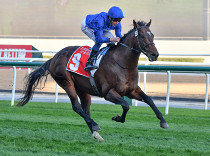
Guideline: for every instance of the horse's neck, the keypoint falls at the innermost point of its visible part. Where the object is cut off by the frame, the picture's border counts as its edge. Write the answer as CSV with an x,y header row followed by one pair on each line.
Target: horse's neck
x,y
124,55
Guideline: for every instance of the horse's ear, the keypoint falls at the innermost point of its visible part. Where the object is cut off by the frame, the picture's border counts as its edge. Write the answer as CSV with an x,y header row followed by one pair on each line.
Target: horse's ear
x,y
134,24
148,24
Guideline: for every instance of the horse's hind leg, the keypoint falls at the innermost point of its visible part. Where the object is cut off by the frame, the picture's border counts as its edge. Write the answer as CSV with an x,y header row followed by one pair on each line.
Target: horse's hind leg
x,y
138,94
114,97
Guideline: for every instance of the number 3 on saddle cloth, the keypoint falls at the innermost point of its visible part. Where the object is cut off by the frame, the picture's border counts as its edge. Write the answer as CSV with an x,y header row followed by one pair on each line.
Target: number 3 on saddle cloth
x,y
79,59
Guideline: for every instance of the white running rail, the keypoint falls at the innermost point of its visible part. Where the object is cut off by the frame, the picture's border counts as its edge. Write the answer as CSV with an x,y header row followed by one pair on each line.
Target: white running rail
x,y
140,62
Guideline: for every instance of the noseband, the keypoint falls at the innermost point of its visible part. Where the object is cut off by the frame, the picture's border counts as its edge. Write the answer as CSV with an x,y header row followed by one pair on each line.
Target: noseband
x,y
136,35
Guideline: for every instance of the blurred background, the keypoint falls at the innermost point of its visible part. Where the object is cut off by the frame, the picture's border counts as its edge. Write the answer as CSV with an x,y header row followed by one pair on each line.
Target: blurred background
x,y
171,19
181,27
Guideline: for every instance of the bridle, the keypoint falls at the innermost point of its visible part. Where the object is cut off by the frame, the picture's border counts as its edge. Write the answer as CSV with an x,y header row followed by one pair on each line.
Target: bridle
x,y
143,50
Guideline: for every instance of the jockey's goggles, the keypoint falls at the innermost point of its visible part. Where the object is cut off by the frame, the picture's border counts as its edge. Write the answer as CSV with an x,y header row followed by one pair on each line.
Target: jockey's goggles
x,y
116,19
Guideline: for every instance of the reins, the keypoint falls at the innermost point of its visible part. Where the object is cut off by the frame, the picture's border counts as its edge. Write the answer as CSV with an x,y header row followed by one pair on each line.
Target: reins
x,y
128,47
122,66
136,36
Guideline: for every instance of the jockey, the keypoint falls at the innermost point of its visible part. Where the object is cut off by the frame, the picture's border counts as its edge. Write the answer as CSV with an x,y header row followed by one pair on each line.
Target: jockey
x,y
97,27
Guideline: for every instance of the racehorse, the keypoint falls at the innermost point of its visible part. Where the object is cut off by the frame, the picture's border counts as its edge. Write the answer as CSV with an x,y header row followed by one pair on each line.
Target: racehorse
x,y
117,76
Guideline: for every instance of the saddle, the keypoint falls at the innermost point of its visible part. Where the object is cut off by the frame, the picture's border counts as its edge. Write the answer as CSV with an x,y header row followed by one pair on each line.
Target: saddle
x,y
78,60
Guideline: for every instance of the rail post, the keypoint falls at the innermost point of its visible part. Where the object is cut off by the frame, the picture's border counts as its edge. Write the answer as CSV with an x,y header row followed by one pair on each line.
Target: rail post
x,y
168,92
13,86
207,89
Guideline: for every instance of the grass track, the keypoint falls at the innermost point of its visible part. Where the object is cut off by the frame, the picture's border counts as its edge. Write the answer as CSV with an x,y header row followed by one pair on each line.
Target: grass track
x,y
54,129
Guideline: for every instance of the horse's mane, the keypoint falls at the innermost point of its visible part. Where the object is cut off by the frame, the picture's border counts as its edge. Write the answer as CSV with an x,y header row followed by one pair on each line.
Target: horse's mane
x,y
140,23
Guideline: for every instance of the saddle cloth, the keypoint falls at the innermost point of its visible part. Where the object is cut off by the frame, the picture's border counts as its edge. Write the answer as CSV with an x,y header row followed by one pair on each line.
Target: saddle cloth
x,y
79,59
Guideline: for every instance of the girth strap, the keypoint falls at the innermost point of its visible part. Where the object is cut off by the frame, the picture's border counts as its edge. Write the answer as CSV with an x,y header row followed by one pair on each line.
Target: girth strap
x,y
93,84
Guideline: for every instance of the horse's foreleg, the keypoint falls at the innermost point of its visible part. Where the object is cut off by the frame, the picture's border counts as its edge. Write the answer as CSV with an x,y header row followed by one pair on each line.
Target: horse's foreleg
x,y
138,94
68,86
91,124
114,97
85,101
78,109
94,128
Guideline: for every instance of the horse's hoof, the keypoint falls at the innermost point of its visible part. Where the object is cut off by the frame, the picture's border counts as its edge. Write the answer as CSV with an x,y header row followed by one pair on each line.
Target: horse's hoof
x,y
97,136
164,125
118,118
96,128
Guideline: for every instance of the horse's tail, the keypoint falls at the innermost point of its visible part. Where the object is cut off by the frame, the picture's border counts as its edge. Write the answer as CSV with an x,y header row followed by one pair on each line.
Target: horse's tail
x,y
32,80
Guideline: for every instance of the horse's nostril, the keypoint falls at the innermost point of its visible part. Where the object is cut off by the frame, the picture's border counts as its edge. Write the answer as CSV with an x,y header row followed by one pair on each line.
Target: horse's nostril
x,y
155,54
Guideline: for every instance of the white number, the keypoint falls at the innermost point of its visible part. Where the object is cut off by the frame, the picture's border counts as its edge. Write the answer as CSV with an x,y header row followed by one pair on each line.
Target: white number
x,y
75,60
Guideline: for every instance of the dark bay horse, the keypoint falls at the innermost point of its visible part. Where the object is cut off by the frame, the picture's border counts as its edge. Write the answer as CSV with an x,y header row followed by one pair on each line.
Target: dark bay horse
x,y
117,76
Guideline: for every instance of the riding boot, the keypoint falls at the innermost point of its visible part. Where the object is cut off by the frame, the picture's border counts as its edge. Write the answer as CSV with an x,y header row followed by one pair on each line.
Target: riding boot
x,y
91,60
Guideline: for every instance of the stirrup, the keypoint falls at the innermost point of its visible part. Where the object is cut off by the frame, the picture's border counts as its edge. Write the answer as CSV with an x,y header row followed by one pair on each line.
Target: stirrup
x,y
90,64
90,67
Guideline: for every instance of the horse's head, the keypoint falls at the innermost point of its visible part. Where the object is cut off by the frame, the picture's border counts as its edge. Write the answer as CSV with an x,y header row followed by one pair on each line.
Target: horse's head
x,y
144,40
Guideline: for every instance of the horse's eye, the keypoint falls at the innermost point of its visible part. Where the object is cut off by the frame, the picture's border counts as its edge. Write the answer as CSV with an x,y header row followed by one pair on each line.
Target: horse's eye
x,y
142,36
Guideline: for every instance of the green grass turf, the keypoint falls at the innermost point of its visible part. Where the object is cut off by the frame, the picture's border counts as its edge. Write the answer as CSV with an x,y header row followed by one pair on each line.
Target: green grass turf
x,y
55,129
